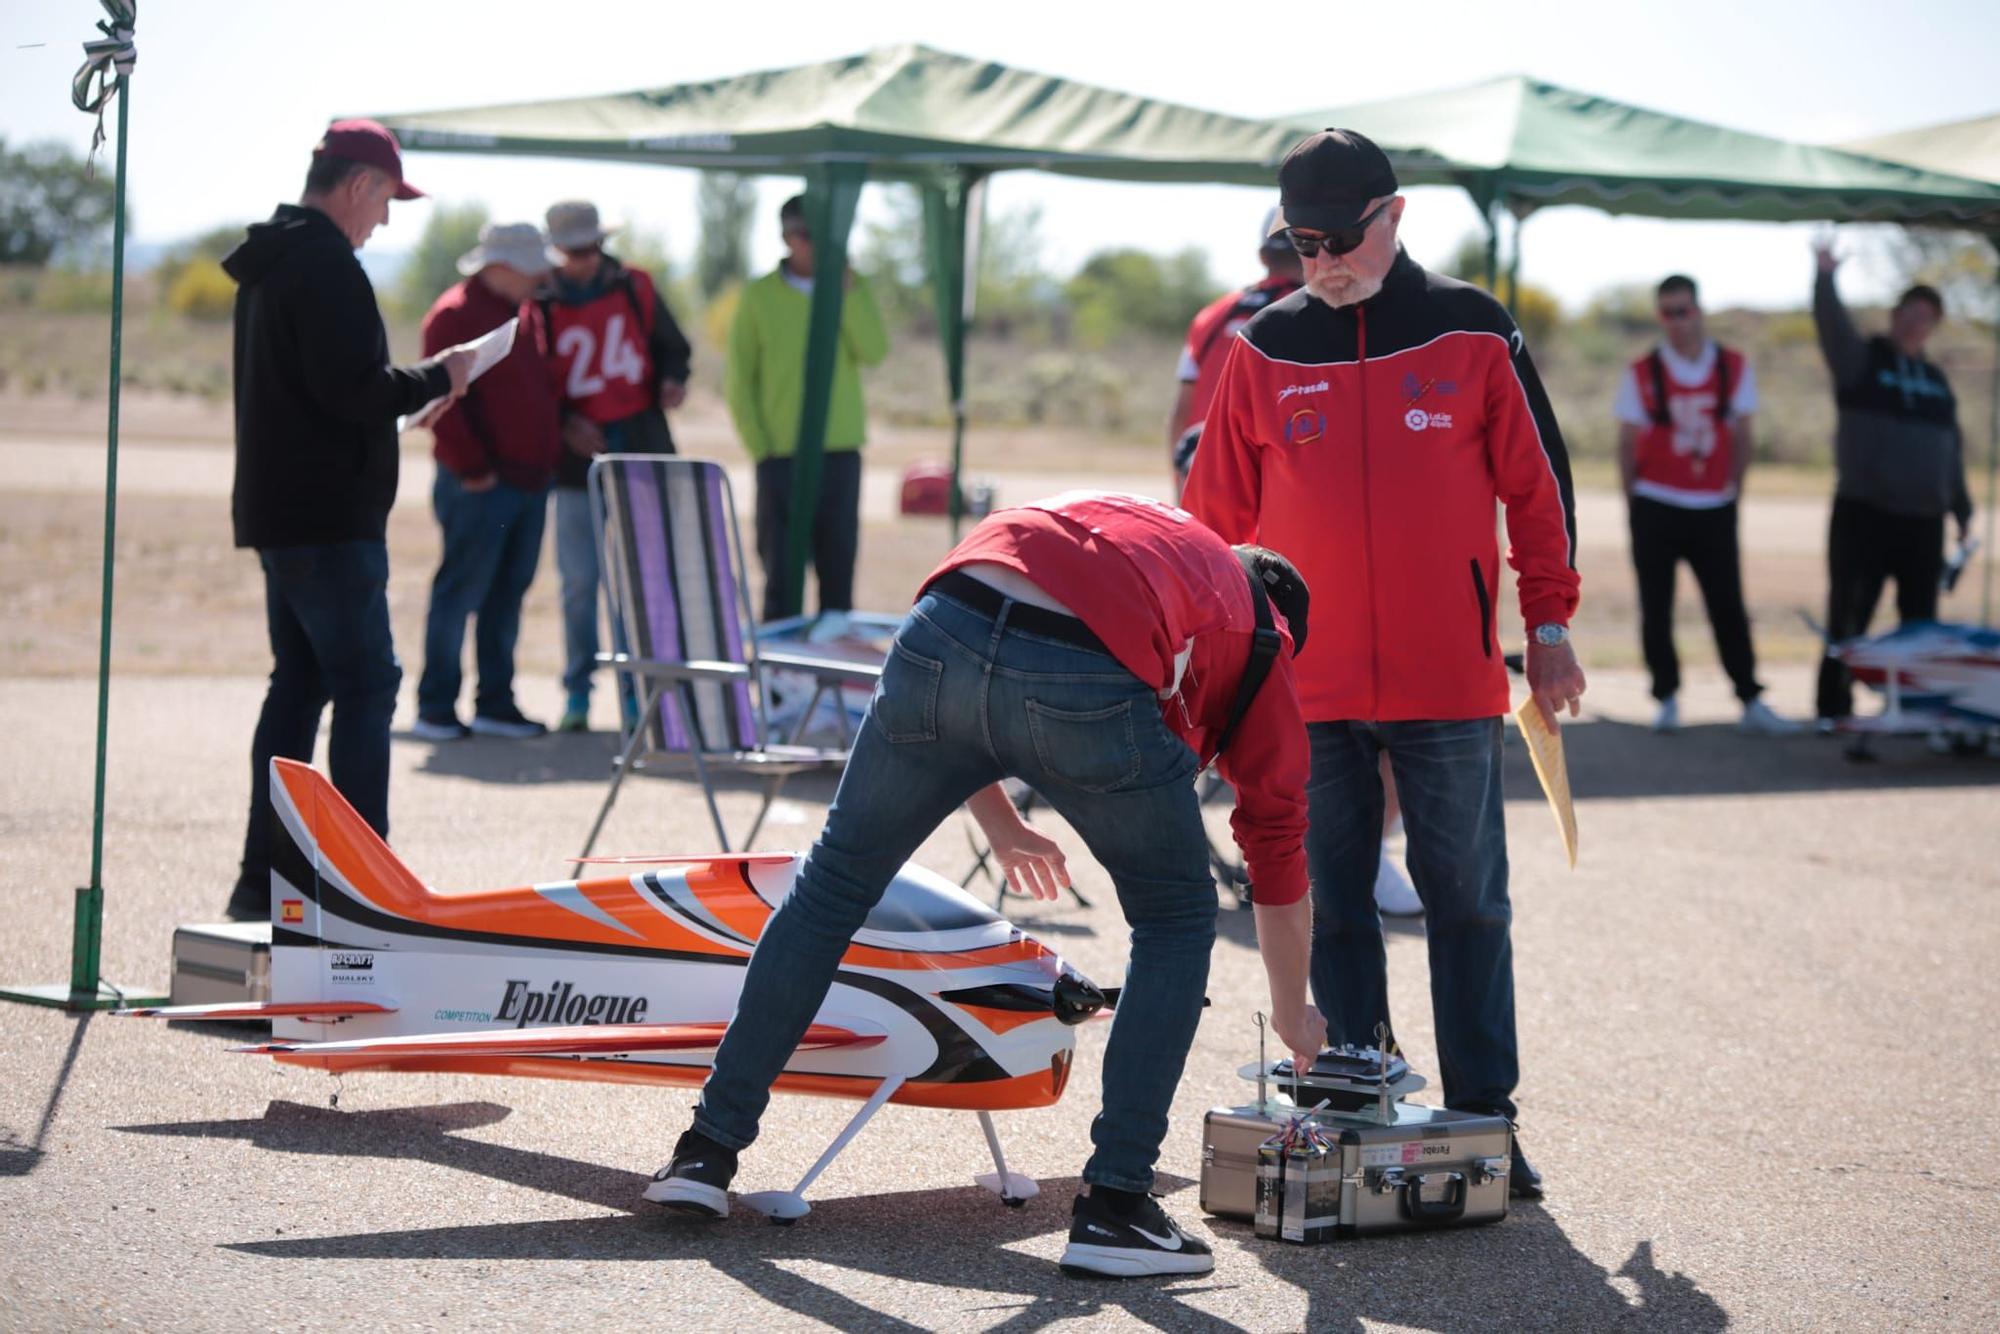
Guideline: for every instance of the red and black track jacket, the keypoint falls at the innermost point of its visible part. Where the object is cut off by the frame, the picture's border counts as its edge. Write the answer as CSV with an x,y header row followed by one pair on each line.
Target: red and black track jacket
x,y
1369,444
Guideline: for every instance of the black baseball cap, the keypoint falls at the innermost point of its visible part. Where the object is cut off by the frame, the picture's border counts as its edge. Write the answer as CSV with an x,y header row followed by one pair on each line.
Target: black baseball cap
x,y
1326,182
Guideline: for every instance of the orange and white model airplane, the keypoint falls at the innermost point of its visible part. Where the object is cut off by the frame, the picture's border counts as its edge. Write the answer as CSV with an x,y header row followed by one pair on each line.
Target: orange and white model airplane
x,y
632,979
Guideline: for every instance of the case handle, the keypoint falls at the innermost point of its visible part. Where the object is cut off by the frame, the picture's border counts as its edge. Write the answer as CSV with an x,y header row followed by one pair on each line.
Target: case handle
x,y
1431,1212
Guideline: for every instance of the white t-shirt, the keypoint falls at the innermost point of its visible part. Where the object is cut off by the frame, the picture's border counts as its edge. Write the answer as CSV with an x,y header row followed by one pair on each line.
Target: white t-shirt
x,y
1630,410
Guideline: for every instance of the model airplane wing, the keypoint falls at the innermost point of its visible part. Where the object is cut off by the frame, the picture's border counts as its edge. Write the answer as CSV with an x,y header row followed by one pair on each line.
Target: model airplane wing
x,y
259,1010
563,1040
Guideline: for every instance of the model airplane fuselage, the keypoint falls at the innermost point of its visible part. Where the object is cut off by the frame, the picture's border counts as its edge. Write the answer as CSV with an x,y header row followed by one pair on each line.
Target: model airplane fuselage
x,y
939,1002
1934,676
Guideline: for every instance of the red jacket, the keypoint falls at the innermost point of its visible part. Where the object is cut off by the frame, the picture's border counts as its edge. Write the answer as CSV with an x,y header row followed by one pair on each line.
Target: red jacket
x,y
507,423
1369,445
1212,331
1150,582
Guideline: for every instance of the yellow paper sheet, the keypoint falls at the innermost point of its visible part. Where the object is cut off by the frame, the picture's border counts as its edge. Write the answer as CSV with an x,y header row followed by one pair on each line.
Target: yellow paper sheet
x,y
1545,747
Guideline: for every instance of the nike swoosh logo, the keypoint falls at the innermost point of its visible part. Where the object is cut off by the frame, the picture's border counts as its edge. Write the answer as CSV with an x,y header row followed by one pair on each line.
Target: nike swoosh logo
x,y
1170,1242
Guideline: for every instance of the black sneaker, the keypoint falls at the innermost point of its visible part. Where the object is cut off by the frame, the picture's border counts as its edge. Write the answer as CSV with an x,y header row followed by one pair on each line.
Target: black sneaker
x,y
1119,1234
1523,1181
697,1180
508,722
439,729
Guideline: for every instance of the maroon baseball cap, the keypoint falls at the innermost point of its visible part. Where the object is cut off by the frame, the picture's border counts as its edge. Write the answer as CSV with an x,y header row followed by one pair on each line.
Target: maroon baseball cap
x,y
370,143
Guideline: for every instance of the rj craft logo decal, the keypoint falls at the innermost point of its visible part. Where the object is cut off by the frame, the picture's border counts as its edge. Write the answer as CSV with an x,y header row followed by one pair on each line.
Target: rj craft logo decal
x,y
352,968
292,911
1306,426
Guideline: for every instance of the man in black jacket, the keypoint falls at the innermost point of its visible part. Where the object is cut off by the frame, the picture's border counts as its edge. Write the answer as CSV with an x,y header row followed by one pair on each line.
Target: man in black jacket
x,y
316,456
1899,460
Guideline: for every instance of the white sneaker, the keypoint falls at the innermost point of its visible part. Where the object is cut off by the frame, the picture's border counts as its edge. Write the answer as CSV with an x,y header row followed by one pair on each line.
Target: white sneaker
x,y
1668,719
1395,896
1759,720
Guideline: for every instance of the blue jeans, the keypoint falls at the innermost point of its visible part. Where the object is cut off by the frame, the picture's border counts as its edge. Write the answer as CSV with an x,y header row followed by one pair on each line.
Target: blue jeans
x,y
327,609
1448,775
576,562
965,701
492,543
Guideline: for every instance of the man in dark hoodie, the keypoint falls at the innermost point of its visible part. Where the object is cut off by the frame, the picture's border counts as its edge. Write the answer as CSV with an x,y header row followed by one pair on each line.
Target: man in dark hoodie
x,y
316,455
1900,462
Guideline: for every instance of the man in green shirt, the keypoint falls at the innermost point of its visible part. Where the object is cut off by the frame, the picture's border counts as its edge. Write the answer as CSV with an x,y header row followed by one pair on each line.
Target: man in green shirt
x,y
765,387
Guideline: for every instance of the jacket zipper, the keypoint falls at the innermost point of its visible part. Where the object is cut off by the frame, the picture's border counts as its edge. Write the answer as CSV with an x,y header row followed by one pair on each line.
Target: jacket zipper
x,y
1368,517
1485,609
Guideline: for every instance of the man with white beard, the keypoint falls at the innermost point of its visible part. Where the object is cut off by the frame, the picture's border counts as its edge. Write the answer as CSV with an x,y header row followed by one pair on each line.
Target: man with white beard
x,y
1364,428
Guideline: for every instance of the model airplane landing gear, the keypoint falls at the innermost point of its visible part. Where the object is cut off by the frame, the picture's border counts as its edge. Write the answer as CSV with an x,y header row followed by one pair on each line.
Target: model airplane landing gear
x,y
1013,1189
785,1207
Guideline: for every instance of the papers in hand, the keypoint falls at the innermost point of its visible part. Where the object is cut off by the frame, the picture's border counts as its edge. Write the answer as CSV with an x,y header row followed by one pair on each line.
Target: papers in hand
x,y
488,350
1545,748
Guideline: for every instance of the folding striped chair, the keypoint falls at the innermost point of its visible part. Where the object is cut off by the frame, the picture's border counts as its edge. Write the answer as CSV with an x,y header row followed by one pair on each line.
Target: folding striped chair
x,y
676,587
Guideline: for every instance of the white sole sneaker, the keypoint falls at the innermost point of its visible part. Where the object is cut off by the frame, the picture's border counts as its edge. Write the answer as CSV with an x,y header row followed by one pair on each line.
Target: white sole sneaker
x,y
425,730
689,1197
1082,1258
500,728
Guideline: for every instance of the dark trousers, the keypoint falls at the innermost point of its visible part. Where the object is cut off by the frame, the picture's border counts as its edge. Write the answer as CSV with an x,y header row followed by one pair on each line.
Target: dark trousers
x,y
1662,537
1448,776
492,543
327,610
1865,547
836,530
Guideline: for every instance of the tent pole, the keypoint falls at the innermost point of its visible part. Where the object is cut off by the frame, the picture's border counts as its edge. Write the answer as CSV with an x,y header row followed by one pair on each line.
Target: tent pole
x,y
1514,268
1992,469
948,223
832,189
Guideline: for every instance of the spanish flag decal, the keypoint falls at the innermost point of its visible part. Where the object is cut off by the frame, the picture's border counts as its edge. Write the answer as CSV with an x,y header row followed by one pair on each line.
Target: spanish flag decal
x,y
292,911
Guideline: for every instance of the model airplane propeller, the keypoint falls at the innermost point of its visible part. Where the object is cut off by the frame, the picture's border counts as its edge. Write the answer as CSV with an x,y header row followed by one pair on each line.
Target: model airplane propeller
x,y
632,979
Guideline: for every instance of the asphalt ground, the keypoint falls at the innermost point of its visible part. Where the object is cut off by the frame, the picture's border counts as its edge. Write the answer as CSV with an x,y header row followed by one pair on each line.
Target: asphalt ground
x,y
1757,1027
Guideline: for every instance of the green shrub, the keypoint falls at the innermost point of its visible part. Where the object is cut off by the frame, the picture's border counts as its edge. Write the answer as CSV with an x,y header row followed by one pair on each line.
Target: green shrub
x,y
202,291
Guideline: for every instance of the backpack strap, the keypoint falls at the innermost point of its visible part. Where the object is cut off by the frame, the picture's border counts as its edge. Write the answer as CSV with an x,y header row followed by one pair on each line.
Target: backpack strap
x,y
1263,652
1656,366
1722,385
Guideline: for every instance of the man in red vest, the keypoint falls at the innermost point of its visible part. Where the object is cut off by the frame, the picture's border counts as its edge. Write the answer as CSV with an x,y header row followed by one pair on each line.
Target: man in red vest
x,y
619,362
1683,414
1103,649
1209,335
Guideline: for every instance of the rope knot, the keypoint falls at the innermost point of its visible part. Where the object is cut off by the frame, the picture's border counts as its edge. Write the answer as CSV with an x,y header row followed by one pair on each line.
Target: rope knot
x,y
107,63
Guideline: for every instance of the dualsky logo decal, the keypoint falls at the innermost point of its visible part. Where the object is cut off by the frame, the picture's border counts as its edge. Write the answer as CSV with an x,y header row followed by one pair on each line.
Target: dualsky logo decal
x,y
1292,389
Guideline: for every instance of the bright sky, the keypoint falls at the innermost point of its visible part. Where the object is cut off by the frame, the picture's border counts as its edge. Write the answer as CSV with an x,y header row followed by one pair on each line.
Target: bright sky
x,y
229,96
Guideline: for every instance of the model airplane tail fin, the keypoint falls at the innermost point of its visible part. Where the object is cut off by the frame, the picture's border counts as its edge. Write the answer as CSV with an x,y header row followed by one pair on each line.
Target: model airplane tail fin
x,y
316,835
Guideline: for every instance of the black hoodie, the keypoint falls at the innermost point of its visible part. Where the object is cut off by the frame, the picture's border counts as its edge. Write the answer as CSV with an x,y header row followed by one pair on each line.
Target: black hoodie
x,y
316,397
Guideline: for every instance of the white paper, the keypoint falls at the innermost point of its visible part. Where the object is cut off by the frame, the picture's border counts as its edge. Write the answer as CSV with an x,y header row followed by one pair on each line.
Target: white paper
x,y
488,351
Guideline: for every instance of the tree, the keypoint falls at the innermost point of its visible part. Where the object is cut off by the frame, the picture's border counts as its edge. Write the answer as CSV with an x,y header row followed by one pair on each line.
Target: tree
x,y
890,252
1123,291
725,205
51,206
452,230
1959,264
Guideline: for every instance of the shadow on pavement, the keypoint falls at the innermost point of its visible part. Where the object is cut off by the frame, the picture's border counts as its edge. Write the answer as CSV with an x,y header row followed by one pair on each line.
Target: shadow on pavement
x,y
1520,1273
19,1157
1613,759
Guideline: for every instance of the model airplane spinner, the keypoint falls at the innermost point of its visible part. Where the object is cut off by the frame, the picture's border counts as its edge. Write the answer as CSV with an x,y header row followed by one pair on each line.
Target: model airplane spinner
x,y
632,979
1935,677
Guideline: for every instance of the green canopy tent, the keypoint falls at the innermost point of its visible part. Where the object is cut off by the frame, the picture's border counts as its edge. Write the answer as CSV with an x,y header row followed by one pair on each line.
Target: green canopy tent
x,y
1963,148
1519,144
944,122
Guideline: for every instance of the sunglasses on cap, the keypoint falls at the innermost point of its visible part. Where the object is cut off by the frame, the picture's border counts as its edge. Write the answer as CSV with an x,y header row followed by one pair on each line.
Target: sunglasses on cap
x,y
1334,243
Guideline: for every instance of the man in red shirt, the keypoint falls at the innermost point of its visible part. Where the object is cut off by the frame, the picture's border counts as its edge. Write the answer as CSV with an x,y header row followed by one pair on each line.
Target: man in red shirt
x,y
1683,414
1209,336
1366,427
1091,645
496,454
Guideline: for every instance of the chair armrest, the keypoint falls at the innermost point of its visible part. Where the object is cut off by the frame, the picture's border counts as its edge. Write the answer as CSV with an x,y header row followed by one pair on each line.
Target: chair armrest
x,y
676,671
826,669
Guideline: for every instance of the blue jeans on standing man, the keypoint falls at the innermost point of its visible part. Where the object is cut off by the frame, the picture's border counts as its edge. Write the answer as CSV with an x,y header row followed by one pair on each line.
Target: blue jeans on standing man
x,y
492,543
964,701
1448,775
327,611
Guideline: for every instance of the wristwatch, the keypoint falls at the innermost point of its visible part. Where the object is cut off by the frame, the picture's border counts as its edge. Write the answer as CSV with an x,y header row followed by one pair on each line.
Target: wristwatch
x,y
1551,634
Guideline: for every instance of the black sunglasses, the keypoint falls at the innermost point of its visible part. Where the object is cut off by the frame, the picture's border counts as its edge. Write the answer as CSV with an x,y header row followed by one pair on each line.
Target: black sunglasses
x,y
1335,243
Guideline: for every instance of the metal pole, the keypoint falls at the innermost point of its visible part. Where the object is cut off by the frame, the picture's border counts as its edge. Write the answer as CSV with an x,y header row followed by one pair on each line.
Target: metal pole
x,y
1992,467
87,944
